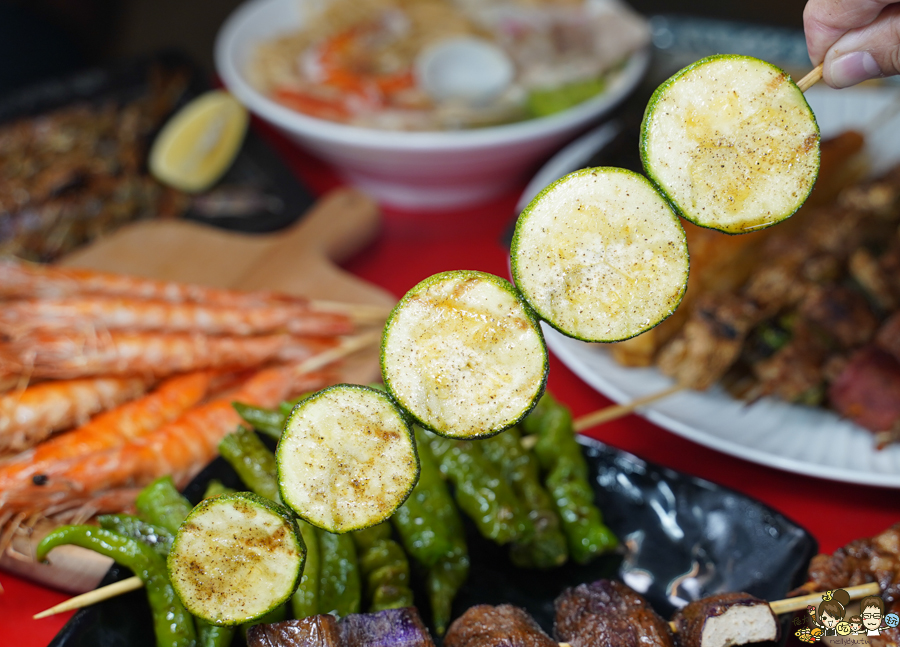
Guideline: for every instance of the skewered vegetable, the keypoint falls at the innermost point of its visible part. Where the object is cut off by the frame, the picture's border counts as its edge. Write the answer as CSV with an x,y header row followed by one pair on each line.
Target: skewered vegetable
x,y
157,537
548,547
347,459
600,255
173,625
566,480
340,589
161,504
502,626
235,558
315,631
481,491
464,355
384,566
388,628
732,143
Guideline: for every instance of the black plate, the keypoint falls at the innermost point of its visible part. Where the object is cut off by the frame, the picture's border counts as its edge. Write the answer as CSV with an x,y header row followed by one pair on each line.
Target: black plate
x,y
685,538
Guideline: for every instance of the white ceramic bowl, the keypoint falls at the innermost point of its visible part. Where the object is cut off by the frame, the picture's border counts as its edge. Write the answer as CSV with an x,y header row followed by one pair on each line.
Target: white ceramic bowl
x,y
427,171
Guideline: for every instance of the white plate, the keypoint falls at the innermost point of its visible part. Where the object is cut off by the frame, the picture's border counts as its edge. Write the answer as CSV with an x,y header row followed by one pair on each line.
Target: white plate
x,y
771,432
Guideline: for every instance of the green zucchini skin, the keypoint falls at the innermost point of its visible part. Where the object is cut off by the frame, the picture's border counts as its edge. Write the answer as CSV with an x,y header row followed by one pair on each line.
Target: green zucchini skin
x,y
212,564
470,393
692,212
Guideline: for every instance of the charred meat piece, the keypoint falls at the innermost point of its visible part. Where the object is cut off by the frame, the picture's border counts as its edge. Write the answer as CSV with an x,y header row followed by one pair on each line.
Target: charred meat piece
x,y
501,626
888,336
794,372
390,628
710,341
867,391
725,619
314,631
607,613
841,312
875,559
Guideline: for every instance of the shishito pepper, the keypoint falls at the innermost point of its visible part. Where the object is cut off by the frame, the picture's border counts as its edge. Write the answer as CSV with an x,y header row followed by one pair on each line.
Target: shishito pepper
x,y
161,503
340,588
481,491
567,480
268,421
157,537
173,625
385,568
548,547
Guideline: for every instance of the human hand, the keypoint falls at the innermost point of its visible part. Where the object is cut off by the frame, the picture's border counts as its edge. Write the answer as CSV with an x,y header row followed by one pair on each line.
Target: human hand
x,y
855,39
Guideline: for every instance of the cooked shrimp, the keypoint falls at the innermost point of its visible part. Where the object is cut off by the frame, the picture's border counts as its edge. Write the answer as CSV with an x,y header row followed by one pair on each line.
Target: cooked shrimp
x,y
29,416
110,429
88,313
180,448
22,279
151,354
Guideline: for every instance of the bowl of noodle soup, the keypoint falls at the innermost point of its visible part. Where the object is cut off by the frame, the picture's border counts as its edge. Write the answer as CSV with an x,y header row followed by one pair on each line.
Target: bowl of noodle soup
x,y
404,155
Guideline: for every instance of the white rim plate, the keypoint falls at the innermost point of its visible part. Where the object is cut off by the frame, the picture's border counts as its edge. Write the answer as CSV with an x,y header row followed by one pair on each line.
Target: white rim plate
x,y
804,440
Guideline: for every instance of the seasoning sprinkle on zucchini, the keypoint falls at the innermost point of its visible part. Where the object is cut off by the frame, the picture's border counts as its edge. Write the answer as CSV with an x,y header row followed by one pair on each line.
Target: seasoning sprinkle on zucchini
x,y
347,459
235,558
600,255
463,354
732,142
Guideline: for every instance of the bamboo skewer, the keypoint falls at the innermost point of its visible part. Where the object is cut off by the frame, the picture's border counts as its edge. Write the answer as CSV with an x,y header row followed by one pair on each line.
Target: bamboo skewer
x,y
619,410
779,607
810,79
93,597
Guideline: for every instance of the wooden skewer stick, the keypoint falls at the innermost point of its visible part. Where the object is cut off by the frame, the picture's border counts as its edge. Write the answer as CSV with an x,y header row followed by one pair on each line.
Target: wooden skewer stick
x,y
93,597
347,346
790,605
810,79
361,312
617,411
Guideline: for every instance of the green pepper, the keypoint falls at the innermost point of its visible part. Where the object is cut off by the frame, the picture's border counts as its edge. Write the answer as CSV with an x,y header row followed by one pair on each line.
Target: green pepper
x,y
161,504
173,625
445,578
418,520
340,589
215,487
547,548
253,462
305,601
385,568
566,479
157,537
267,421
481,491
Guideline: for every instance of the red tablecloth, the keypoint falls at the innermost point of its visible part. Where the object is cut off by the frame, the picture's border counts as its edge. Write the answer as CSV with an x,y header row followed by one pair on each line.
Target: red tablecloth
x,y
413,246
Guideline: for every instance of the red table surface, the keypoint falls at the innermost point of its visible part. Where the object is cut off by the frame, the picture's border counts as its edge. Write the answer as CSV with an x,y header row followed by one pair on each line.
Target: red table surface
x,y
412,246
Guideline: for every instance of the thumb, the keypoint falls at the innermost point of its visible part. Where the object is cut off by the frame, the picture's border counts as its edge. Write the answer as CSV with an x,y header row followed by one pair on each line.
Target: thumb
x,y
865,53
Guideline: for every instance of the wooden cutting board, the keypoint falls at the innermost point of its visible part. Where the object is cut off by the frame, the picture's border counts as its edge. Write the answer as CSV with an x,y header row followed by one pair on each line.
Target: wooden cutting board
x,y
301,260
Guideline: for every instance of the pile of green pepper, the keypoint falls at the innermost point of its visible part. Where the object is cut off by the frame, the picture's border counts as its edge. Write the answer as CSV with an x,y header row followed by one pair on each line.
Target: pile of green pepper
x,y
538,501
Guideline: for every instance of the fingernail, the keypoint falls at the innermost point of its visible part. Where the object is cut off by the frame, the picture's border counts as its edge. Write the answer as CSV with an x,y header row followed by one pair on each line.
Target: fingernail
x,y
853,68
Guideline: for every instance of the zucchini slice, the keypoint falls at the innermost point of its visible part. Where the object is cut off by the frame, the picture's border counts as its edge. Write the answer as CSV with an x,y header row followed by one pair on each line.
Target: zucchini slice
x,y
236,557
600,255
732,143
464,355
347,459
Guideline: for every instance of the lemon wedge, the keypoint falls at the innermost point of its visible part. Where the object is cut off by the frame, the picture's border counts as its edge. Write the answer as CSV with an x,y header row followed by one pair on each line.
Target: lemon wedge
x,y
197,145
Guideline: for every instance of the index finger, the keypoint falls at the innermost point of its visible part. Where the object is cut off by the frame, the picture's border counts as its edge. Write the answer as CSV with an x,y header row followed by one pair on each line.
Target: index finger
x,y
825,21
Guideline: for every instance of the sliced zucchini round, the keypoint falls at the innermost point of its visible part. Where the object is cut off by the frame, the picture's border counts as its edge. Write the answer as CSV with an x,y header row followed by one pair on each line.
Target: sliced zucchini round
x,y
464,355
347,459
236,557
732,143
600,255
